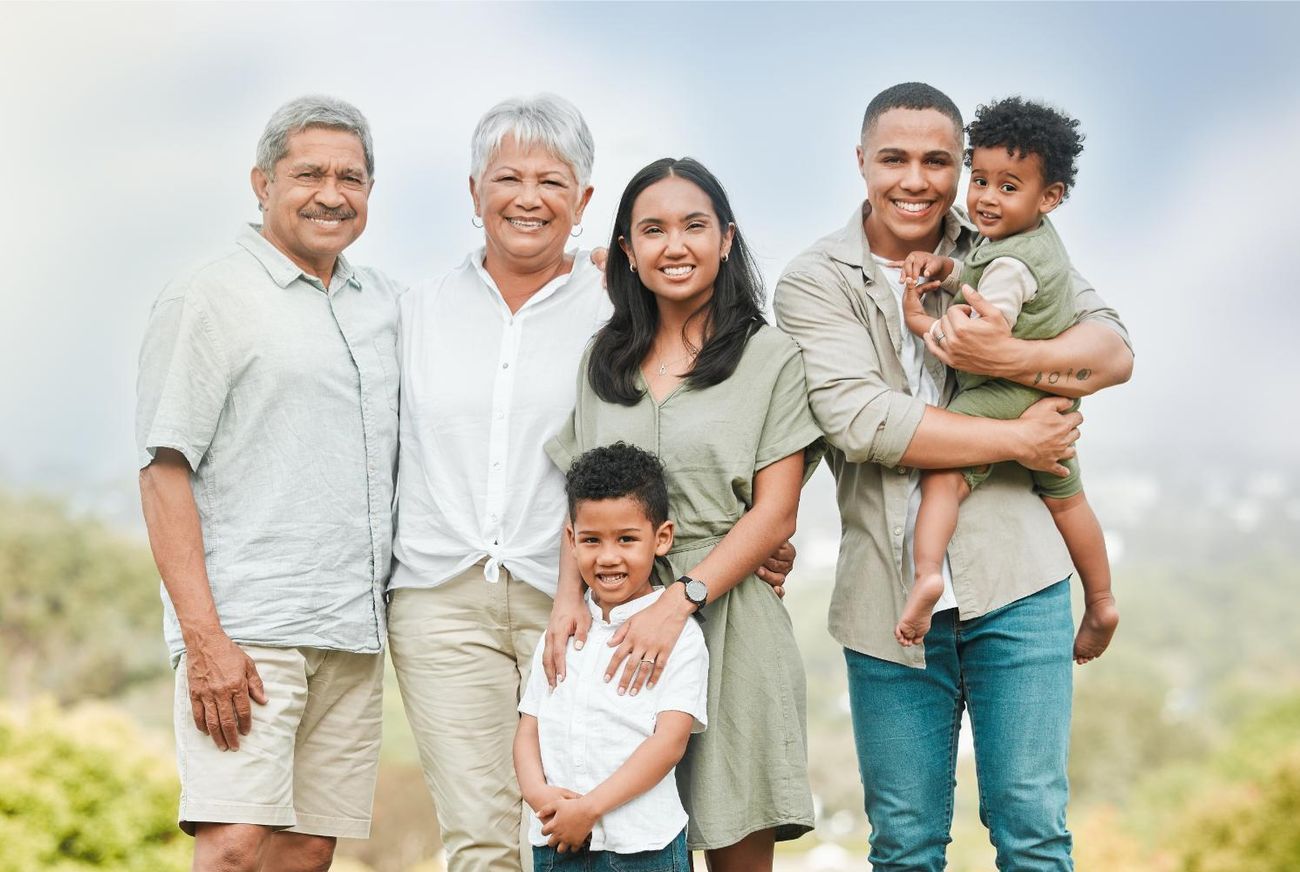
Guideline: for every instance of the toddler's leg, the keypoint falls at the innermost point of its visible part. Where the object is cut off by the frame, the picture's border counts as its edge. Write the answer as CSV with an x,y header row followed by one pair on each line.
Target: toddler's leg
x,y
1083,537
942,491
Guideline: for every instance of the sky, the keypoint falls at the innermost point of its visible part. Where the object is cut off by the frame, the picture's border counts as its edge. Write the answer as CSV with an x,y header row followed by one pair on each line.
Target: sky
x,y
130,129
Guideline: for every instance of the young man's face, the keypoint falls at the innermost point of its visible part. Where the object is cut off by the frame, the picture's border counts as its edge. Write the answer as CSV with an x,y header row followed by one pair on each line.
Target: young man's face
x,y
616,545
1007,194
911,161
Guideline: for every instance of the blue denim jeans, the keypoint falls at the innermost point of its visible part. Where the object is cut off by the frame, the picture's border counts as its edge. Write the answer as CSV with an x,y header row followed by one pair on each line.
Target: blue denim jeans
x,y
1012,669
670,858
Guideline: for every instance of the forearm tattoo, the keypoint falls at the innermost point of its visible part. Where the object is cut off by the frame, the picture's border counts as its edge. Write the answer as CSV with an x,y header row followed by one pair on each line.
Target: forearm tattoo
x,y
1081,374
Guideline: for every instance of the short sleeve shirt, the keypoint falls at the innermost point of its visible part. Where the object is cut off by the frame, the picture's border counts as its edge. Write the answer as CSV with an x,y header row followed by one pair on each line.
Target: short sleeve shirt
x,y
586,730
282,396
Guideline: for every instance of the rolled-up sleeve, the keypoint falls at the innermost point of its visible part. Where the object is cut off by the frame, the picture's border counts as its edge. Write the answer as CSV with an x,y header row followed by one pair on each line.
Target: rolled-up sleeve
x,y
1091,307
183,382
855,407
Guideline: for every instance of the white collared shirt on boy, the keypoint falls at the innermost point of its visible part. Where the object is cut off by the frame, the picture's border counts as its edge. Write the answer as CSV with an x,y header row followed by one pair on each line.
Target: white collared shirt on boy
x,y
587,731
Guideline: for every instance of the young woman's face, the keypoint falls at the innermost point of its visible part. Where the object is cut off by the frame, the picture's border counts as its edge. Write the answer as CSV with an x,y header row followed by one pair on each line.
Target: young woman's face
x,y
676,242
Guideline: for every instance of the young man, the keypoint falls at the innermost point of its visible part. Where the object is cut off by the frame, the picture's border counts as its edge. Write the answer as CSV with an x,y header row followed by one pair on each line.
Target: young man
x,y
267,435
595,764
1000,640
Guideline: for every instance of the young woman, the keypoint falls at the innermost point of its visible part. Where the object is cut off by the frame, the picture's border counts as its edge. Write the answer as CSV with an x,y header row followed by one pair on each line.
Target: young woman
x,y
688,368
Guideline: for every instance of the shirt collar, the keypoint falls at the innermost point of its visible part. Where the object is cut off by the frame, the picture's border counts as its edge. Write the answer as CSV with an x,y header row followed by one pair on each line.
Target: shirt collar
x,y
284,271
619,614
849,245
581,263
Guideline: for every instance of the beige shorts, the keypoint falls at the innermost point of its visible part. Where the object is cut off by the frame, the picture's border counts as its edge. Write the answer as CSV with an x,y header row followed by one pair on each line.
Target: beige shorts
x,y
309,763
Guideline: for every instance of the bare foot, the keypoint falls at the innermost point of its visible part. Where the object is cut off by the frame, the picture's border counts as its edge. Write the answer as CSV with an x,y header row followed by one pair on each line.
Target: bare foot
x,y
915,622
1100,618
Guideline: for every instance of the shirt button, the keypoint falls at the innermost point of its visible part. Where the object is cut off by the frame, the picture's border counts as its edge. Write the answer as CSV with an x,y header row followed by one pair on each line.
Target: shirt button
x,y
898,531
496,465
902,470
505,366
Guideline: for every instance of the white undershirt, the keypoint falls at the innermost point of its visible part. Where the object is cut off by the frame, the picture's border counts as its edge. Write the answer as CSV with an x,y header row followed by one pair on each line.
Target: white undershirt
x,y
923,388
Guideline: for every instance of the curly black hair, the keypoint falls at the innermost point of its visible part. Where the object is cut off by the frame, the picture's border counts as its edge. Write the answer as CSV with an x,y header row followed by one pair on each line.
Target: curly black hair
x,y
1026,127
619,470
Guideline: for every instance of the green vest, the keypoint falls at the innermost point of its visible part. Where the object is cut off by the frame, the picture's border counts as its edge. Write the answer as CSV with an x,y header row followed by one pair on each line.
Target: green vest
x,y
1050,311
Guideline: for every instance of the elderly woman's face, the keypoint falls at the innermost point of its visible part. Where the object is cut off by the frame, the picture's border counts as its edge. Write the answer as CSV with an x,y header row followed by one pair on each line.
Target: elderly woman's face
x,y
529,200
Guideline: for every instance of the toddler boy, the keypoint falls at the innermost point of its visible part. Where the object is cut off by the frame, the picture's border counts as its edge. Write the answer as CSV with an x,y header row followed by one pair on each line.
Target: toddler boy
x,y
597,767
1022,163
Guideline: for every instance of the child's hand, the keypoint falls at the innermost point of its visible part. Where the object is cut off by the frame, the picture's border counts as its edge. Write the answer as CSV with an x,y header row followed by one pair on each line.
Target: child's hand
x,y
547,795
567,822
923,271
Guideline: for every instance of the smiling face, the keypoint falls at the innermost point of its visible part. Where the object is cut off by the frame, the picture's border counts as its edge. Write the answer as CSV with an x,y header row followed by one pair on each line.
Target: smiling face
x,y
616,545
1007,194
910,160
529,200
315,205
676,241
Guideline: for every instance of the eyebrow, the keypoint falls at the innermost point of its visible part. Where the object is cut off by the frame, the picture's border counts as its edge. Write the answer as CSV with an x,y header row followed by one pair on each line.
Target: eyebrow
x,y
620,530
318,168
691,217
890,151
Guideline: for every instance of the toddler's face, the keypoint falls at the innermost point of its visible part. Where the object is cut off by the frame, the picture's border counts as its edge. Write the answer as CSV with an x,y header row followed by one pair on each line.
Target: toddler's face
x,y
1007,194
616,545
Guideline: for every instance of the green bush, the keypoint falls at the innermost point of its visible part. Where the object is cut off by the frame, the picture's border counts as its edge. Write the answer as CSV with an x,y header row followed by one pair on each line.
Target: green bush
x,y
1253,827
79,790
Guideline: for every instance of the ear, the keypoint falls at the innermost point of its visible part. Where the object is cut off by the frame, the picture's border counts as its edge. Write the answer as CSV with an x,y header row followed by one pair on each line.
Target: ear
x,y
727,239
1053,194
473,194
570,535
582,204
627,250
862,161
664,538
261,183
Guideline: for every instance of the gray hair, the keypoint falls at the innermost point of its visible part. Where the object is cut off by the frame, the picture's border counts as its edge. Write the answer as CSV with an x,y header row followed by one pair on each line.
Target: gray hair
x,y
546,120
313,110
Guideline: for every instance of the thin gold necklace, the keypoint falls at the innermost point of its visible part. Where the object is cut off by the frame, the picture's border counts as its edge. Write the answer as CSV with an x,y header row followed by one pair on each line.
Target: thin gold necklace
x,y
663,367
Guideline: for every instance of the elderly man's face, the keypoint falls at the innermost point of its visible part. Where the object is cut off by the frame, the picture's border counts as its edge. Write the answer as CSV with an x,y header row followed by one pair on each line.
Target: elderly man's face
x,y
315,206
911,161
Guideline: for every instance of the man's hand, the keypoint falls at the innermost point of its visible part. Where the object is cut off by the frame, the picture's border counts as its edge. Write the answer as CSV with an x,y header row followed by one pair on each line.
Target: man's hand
x,y
777,566
568,823
976,338
570,617
221,680
646,640
1049,431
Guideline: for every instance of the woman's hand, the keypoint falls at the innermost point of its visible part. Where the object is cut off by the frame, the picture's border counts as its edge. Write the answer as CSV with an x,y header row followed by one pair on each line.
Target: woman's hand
x,y
570,617
777,567
647,639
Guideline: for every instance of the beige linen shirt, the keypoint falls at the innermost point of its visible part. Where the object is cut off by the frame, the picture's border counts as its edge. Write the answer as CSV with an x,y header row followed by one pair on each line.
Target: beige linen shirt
x,y
840,310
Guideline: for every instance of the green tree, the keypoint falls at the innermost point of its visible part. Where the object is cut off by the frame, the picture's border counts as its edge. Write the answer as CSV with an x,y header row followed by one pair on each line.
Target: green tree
x,y
78,791
79,605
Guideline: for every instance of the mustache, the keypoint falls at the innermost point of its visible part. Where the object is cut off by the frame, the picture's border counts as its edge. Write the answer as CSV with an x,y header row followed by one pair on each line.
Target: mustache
x,y
323,214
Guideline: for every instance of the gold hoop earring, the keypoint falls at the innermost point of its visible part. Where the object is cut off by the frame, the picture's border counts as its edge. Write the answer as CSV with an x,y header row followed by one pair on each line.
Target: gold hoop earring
x,y
724,258
632,267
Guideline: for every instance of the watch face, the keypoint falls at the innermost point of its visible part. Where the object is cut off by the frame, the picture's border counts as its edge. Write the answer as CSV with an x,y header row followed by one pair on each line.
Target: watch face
x,y
696,591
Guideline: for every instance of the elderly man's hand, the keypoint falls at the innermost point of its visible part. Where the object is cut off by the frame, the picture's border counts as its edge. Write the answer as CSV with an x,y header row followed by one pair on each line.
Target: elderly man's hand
x,y
976,338
222,679
777,566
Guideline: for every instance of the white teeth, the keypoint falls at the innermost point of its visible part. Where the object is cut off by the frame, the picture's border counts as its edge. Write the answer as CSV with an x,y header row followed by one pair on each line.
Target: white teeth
x,y
527,223
911,207
325,222
677,270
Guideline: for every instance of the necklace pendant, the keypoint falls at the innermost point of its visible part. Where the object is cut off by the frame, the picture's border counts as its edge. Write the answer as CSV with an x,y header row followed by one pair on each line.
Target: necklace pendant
x,y
663,369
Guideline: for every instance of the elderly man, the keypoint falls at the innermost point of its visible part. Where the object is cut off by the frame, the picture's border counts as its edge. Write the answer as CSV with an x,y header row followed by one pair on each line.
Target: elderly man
x,y
1001,637
267,433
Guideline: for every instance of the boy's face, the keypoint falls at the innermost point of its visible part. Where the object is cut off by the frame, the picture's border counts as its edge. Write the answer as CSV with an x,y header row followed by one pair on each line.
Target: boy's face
x,y
1007,194
616,546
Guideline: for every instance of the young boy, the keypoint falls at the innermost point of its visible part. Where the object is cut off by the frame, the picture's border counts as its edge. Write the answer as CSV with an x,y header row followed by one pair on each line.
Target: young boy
x,y
1022,163
595,766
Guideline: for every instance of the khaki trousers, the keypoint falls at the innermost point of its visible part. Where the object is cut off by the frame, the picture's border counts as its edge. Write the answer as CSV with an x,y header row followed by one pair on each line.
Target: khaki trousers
x,y
462,652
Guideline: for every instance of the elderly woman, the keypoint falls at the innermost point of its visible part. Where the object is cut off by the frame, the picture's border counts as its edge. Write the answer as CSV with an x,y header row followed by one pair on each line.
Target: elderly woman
x,y
489,356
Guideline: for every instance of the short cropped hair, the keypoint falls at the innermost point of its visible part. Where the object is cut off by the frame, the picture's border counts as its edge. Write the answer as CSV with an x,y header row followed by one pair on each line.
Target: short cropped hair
x,y
313,110
911,95
1024,127
619,470
546,120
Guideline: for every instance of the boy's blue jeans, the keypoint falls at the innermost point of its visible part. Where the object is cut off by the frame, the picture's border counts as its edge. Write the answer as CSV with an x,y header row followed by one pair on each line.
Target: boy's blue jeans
x,y
670,858
1011,668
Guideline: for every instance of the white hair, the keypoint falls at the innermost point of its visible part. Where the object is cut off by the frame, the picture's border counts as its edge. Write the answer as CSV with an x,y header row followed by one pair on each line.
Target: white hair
x,y
546,120
313,110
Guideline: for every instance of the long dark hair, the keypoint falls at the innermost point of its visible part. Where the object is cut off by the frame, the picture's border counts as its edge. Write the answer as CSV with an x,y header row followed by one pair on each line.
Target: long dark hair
x,y
732,314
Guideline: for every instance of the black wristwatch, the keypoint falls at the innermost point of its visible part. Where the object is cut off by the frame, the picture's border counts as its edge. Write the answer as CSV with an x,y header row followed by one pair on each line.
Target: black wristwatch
x,y
697,593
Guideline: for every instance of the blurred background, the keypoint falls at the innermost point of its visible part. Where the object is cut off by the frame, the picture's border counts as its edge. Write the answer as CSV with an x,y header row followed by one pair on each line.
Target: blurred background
x,y
128,134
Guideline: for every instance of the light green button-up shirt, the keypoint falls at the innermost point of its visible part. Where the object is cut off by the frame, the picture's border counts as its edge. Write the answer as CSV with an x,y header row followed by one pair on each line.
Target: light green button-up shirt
x,y
834,302
282,395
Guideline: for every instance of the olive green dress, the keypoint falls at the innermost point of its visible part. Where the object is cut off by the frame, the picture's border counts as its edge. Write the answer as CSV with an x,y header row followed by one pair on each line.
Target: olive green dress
x,y
748,770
